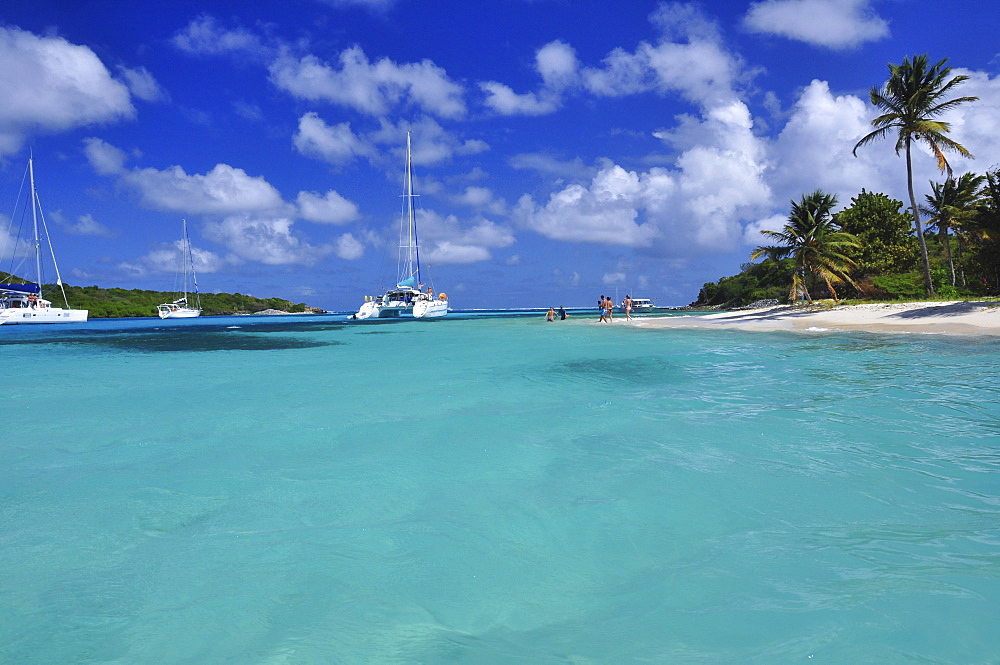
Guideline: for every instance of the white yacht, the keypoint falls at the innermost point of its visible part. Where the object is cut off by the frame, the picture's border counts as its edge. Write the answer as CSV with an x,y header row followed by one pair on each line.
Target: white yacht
x,y
179,308
23,303
408,298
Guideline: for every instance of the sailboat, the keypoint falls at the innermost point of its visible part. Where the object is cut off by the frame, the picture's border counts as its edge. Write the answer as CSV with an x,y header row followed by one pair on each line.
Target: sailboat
x,y
179,309
23,303
407,299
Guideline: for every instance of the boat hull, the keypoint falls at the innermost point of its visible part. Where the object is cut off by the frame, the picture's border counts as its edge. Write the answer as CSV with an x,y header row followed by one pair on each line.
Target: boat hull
x,y
421,309
178,313
28,315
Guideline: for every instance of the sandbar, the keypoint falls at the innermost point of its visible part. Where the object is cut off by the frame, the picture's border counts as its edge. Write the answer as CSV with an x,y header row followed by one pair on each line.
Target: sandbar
x,y
952,318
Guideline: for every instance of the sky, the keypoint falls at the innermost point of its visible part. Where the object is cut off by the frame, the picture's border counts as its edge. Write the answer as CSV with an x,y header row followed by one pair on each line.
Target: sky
x,y
562,149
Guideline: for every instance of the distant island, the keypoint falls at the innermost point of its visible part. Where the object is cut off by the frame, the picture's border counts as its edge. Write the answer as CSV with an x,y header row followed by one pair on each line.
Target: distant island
x,y
122,303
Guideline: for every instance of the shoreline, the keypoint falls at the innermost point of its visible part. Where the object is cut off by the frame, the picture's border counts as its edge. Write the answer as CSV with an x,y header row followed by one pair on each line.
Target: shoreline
x,y
946,317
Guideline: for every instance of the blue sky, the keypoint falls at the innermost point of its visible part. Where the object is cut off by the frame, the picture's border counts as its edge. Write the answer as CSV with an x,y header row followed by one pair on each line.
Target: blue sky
x,y
562,150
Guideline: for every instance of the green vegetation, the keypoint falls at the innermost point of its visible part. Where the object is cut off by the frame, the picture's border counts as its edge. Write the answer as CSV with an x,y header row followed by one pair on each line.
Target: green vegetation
x,y
105,303
872,245
910,100
816,245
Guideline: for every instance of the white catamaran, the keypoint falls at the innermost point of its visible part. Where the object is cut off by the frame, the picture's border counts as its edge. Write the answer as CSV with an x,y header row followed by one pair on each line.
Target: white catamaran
x,y
23,303
179,309
407,299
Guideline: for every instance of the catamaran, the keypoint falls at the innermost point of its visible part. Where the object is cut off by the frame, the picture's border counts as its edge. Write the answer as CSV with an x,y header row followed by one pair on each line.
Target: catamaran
x,y
23,302
407,299
179,309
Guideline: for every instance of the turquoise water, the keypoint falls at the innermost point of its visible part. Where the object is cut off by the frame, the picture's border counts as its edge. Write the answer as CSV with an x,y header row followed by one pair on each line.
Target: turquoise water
x,y
490,490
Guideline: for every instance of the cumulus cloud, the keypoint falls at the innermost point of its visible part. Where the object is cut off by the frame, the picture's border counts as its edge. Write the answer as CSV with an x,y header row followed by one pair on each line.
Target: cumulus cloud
x,y
695,205
86,225
444,240
50,85
834,24
105,158
166,259
367,87
349,248
204,36
329,208
688,60
142,84
335,144
223,190
835,122
502,99
267,240
606,212
257,223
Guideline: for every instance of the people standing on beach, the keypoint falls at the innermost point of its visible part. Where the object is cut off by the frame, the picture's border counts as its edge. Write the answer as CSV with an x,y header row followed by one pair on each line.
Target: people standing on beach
x,y
550,315
602,305
610,306
628,307
562,313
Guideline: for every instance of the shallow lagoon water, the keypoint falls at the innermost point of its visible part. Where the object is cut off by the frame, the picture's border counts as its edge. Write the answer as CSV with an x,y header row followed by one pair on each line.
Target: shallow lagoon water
x,y
496,490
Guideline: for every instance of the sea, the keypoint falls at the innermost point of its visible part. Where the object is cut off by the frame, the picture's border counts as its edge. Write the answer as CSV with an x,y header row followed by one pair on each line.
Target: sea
x,y
492,488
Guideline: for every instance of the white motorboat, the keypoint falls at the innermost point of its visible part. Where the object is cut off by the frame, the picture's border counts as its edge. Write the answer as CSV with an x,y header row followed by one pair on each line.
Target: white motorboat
x,y
23,303
179,308
639,305
408,298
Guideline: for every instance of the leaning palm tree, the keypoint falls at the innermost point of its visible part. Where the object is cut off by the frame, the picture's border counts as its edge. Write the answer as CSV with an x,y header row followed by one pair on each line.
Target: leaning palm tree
x,y
951,205
911,101
815,243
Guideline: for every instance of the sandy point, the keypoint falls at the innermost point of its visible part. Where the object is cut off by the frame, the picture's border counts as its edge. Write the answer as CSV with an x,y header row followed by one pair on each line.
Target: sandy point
x,y
953,318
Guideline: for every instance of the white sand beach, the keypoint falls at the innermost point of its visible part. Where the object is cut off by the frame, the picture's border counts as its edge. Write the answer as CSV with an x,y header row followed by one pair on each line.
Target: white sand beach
x,y
954,318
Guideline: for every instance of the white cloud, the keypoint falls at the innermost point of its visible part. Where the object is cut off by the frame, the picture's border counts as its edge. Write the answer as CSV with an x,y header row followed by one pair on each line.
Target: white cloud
x,y
974,124
50,85
444,240
557,64
329,208
752,232
349,248
267,240
697,205
606,212
835,24
613,278
168,257
142,84
688,60
223,190
105,158
482,198
205,36
820,118
502,99
336,144
86,225
370,88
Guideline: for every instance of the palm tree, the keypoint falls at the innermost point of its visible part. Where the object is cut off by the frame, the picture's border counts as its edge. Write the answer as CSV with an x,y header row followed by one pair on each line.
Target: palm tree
x,y
815,243
910,101
952,203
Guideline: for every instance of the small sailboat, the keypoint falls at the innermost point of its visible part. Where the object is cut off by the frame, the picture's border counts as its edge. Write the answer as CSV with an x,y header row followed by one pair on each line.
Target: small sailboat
x,y
407,299
179,309
23,302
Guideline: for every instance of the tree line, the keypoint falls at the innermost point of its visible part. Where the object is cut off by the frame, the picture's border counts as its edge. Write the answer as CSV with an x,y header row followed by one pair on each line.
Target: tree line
x,y
121,303
874,248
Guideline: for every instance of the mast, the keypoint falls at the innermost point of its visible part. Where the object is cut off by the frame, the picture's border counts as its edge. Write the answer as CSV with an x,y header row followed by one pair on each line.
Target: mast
x,y
408,224
34,222
188,260
185,249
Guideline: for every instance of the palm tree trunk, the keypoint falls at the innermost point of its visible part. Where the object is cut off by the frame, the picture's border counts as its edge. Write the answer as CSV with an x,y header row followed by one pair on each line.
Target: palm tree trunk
x,y
928,284
945,241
